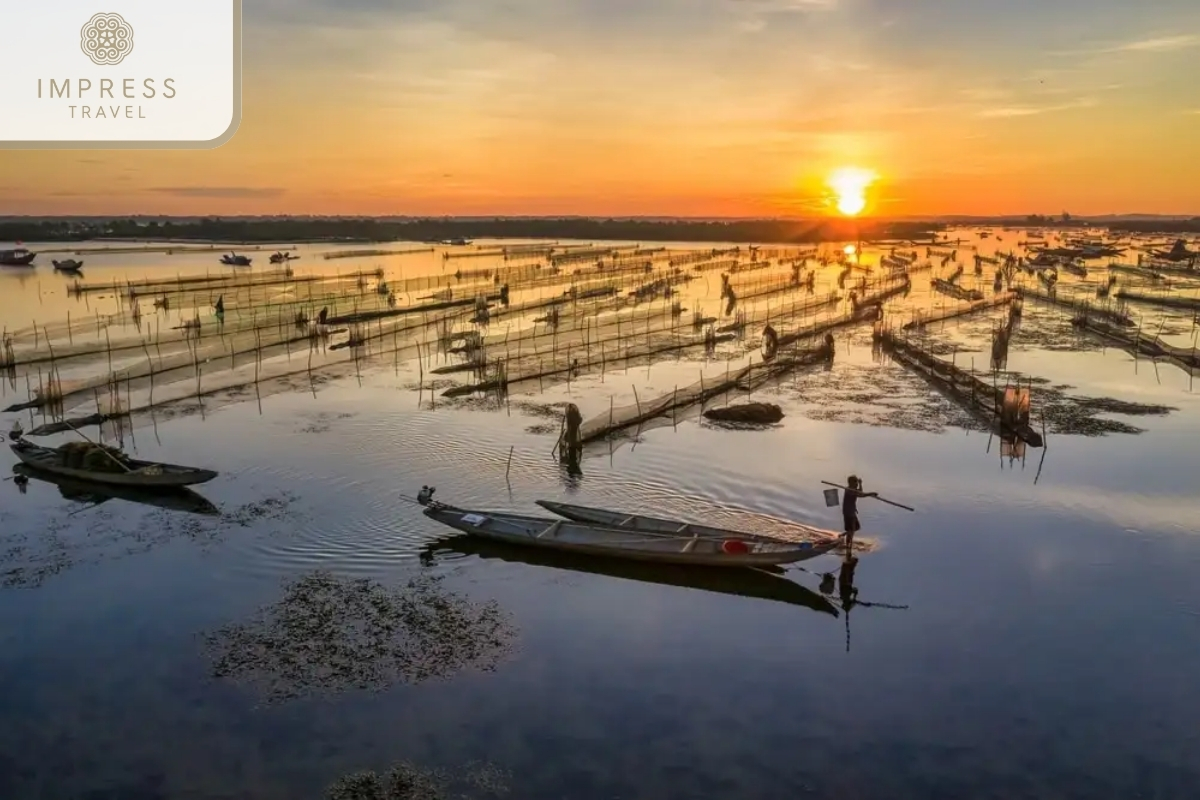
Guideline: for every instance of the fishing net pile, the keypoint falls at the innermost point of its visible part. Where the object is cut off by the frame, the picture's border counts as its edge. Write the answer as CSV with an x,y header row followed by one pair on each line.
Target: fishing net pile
x,y
91,457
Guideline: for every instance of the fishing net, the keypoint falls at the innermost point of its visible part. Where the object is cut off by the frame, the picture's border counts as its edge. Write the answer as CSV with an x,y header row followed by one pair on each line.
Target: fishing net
x,y
747,379
90,457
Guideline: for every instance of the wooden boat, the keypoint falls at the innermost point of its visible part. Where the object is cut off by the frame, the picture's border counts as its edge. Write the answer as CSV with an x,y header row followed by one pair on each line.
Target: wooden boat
x,y
759,584
17,258
146,474
234,260
69,265
682,546
172,499
827,539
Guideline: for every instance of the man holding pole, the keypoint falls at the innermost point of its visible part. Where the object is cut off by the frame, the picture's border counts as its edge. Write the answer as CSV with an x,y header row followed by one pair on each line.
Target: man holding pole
x,y
853,491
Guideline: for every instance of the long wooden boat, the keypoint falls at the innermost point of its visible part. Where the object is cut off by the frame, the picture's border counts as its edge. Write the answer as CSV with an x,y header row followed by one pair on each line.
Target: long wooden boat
x,y
728,549
827,540
17,258
756,583
77,489
146,474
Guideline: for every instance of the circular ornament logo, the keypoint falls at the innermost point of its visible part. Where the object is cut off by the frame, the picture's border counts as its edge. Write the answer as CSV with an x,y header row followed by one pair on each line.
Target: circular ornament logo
x,y
106,39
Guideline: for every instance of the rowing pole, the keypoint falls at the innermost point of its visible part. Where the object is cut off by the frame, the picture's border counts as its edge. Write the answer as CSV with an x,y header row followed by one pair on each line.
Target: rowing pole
x,y
877,497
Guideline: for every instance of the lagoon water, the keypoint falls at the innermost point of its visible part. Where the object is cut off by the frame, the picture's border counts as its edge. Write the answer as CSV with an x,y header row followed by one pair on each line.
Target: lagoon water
x,y
1031,630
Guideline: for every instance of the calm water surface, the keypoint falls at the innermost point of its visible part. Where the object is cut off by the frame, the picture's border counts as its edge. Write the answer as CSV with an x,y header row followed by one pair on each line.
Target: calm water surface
x,y
1036,631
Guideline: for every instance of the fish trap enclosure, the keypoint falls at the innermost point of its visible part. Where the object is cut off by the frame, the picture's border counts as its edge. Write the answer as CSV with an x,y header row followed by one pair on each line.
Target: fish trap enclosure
x,y
753,376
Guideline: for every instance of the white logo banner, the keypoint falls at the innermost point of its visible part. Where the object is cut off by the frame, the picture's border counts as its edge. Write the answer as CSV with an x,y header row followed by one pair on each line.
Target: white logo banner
x,y
117,74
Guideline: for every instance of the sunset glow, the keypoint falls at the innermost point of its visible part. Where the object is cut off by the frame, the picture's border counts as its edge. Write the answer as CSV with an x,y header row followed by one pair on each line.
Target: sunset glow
x,y
850,186
721,108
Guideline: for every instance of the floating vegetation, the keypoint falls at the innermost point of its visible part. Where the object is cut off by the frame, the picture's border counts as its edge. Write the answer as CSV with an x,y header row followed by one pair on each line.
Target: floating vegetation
x,y
332,634
404,781
1082,416
31,555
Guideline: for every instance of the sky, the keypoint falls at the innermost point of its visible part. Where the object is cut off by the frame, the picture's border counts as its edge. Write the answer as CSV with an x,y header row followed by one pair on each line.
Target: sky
x,y
677,107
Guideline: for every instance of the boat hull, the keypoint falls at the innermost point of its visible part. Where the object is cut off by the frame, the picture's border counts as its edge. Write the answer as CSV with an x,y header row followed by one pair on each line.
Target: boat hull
x,y
758,583
828,540
171,499
168,476
595,540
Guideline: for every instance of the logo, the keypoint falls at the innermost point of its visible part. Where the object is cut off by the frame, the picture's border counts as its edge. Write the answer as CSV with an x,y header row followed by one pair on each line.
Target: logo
x,y
155,90
106,39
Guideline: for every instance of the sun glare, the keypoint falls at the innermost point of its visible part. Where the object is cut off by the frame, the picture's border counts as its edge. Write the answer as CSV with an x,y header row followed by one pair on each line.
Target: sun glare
x,y
849,186
850,250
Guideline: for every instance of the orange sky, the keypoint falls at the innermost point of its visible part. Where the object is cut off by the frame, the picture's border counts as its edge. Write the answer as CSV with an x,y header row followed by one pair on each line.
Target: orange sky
x,y
676,107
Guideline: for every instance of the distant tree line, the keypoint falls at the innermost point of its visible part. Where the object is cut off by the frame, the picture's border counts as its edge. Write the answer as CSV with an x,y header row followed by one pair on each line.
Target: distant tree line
x,y
1159,226
300,229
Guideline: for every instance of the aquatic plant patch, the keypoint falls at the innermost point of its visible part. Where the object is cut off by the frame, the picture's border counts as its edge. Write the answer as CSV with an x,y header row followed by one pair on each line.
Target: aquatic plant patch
x,y
333,634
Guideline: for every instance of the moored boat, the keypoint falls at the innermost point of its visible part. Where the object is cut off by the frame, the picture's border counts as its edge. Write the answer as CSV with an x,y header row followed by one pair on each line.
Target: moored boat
x,y
757,583
172,499
234,260
826,539
68,265
17,258
99,464
711,547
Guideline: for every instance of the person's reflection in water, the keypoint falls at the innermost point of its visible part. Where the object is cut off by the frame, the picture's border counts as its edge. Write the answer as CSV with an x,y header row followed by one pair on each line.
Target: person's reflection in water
x,y
846,587
847,591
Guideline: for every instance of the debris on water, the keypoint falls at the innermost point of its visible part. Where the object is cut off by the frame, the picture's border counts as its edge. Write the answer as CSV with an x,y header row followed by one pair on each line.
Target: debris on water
x,y
323,422
336,634
405,781
275,507
552,411
747,413
29,557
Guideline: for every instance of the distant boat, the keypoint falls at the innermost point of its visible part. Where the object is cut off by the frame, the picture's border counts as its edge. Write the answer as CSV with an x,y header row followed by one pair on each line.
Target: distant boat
x,y
17,258
234,260
1179,252
279,258
69,265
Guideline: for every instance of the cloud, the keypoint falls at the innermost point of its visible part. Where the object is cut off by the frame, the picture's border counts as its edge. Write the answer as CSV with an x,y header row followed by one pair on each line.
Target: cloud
x,y
220,192
754,13
1162,44
1008,112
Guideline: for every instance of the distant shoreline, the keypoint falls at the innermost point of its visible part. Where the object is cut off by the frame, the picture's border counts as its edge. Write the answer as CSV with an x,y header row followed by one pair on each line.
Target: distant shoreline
x,y
434,231
300,230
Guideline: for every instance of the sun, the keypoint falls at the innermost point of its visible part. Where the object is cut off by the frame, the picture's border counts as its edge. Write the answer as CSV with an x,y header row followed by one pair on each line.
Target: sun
x,y
849,186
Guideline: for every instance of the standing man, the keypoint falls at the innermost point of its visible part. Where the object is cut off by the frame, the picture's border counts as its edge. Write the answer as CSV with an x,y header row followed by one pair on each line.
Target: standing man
x,y
850,508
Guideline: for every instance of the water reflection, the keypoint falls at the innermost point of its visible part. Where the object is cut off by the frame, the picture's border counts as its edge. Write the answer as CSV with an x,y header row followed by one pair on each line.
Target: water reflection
x,y
755,583
94,494
847,592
